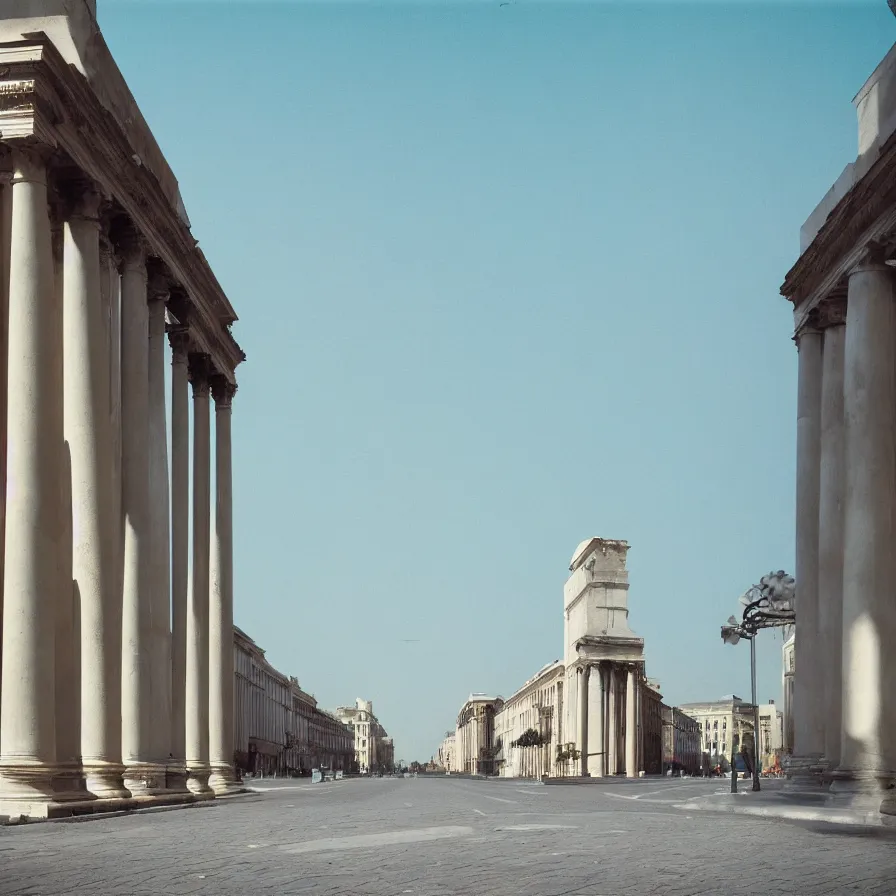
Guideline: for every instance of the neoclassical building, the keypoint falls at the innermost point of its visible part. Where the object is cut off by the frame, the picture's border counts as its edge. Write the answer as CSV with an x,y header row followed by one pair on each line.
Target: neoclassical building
x,y
604,660
117,670
843,291
591,714
373,748
278,727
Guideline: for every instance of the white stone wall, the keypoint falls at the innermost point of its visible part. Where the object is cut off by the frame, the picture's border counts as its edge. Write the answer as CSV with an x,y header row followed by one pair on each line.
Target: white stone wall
x,y
534,706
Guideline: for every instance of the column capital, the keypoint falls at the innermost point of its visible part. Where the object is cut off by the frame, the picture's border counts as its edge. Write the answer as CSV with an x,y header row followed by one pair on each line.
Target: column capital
x,y
831,313
158,287
179,339
80,198
131,247
810,327
222,391
29,162
874,257
200,372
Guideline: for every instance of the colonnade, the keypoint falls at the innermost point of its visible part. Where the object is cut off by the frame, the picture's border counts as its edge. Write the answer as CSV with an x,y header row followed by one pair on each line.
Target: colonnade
x,y
608,714
117,669
844,707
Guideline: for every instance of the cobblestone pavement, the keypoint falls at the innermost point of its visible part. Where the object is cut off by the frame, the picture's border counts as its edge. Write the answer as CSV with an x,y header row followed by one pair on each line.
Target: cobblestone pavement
x,y
435,837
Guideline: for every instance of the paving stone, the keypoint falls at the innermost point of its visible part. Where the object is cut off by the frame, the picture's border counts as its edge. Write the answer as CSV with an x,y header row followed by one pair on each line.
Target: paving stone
x,y
426,837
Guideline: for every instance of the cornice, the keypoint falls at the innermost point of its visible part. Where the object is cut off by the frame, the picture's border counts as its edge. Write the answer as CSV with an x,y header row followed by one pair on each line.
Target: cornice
x,y
44,100
864,216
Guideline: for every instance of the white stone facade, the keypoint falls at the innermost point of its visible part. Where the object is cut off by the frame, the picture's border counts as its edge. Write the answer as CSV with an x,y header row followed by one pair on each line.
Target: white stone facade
x,y
843,291
446,755
373,748
582,715
726,725
476,746
536,707
788,659
116,673
278,727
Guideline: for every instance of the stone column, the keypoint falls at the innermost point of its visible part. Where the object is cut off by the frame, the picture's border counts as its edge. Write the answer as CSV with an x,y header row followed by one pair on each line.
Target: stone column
x,y
830,525
69,783
159,530
144,769
5,228
612,726
180,552
31,573
93,560
631,725
867,762
197,614
220,680
596,722
808,685
584,675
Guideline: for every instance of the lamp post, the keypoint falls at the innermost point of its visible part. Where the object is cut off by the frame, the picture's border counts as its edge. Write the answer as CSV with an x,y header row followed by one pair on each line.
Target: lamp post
x,y
770,604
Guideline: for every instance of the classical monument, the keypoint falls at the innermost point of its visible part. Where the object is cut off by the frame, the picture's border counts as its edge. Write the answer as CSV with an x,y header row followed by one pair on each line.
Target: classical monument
x,y
604,660
843,290
592,714
117,670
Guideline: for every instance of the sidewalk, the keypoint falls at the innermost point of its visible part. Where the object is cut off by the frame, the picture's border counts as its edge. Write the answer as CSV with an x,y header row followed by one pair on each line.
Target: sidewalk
x,y
774,802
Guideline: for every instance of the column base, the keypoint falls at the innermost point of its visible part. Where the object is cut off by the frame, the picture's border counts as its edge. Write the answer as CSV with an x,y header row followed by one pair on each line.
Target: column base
x,y
144,778
197,779
70,785
223,780
105,780
27,781
176,777
863,790
804,773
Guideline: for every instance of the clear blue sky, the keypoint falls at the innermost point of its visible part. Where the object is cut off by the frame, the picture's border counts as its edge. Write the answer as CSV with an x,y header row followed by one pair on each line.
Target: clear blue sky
x,y
507,278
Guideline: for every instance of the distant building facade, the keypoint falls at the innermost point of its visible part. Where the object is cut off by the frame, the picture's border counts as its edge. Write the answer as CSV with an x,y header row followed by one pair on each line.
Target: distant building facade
x,y
528,727
373,748
725,725
771,733
475,740
651,740
682,742
278,727
594,712
789,660
446,753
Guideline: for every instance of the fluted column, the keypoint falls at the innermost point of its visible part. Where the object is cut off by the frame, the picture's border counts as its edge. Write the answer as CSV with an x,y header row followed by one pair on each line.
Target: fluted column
x,y
31,573
612,724
830,525
220,680
631,725
868,745
596,722
5,232
69,783
809,679
144,768
584,673
159,527
197,614
88,434
180,551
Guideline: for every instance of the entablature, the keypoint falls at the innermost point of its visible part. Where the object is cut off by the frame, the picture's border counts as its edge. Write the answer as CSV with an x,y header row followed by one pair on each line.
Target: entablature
x,y
44,100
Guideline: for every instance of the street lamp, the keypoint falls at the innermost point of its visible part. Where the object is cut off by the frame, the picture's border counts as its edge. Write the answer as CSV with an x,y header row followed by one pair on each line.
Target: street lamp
x,y
770,604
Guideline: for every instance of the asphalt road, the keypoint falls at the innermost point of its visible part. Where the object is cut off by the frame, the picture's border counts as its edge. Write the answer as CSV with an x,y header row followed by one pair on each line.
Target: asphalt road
x,y
434,837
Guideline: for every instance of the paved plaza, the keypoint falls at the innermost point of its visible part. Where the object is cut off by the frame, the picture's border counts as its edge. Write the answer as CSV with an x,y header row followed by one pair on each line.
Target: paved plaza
x,y
434,837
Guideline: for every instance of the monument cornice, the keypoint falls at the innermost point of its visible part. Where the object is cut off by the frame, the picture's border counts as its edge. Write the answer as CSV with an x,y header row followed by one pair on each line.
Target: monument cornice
x,y
44,100
864,216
